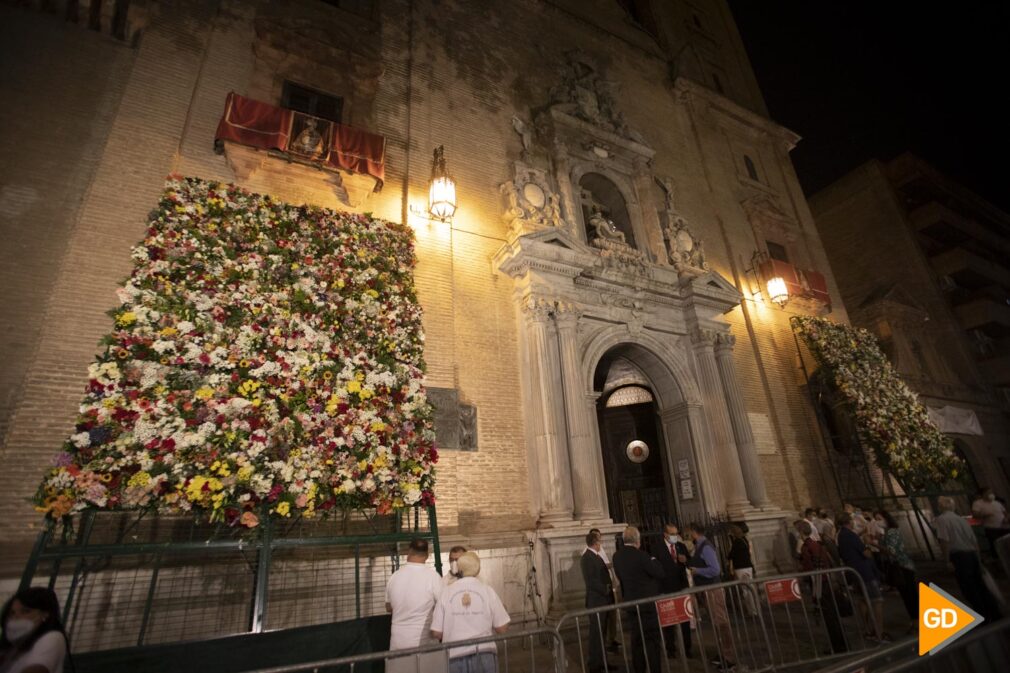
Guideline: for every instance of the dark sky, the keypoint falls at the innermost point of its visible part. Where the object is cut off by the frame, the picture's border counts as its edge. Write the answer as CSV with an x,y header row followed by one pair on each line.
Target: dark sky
x,y
860,79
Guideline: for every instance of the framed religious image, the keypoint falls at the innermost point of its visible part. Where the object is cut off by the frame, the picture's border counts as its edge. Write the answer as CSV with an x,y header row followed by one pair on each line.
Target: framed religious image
x,y
310,137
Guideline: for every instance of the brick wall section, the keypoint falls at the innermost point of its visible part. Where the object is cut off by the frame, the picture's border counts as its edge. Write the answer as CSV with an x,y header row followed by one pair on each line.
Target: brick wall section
x,y
465,79
137,154
47,165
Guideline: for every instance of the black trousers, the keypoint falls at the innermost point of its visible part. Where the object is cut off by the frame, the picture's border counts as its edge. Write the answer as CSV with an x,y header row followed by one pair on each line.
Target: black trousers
x,y
597,634
832,617
670,636
644,638
968,570
903,580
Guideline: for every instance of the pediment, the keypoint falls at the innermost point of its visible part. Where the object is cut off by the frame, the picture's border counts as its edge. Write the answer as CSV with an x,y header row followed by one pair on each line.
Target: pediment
x,y
713,288
558,237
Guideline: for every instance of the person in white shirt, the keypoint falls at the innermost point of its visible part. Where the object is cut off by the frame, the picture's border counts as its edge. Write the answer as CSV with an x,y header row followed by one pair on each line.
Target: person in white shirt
x,y
469,609
993,516
33,640
411,595
453,573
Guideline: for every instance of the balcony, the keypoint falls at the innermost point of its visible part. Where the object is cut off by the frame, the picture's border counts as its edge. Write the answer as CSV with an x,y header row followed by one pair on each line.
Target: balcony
x,y
950,228
806,288
970,270
986,314
284,144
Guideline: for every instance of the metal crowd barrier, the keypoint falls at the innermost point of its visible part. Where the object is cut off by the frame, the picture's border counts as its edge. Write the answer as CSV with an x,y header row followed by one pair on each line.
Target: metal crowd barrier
x,y
764,624
515,652
986,649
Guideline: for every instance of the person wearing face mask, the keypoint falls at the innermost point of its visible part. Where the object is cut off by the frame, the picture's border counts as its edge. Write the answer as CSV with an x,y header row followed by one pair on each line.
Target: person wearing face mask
x,y
33,639
454,573
993,516
674,581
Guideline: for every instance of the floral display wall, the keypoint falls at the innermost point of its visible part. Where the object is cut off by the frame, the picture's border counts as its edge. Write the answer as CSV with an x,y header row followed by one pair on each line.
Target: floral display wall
x,y
265,359
888,416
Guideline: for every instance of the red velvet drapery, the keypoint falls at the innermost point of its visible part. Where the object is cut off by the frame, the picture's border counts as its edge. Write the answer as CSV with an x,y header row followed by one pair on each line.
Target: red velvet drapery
x,y
257,124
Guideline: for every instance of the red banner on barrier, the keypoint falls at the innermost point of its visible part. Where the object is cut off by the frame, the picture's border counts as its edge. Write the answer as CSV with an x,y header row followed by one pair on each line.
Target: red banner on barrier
x,y
783,591
675,610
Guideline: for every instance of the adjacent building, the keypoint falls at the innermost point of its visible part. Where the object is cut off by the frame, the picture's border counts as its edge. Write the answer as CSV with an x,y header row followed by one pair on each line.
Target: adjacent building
x,y
924,264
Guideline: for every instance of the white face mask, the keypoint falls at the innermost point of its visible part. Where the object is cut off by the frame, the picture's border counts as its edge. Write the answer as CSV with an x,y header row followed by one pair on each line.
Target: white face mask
x,y
19,628
454,569
673,539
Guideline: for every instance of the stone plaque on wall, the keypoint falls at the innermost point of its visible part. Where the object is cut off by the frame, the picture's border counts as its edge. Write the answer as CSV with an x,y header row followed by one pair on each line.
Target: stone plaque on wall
x,y
455,423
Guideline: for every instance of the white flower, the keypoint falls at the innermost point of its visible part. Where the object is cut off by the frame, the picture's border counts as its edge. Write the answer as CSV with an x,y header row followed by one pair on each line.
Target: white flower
x,y
81,440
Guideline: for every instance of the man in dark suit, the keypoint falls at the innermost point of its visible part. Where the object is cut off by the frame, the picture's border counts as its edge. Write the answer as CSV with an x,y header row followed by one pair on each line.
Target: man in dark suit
x,y
640,576
599,592
675,580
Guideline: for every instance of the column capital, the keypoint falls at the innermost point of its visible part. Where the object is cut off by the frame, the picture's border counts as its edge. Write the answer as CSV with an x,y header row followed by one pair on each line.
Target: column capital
x,y
537,309
567,313
704,338
724,343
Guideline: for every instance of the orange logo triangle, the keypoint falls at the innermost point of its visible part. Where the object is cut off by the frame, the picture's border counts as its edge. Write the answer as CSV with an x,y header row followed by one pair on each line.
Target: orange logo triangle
x,y
942,619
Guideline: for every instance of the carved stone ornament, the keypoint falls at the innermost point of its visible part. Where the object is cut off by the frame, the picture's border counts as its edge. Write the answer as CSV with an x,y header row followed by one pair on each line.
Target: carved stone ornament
x,y
529,201
617,255
582,94
765,216
685,252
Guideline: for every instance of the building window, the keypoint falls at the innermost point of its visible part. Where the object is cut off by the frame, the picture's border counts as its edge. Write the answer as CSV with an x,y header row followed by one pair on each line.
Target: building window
x,y
303,99
752,172
777,251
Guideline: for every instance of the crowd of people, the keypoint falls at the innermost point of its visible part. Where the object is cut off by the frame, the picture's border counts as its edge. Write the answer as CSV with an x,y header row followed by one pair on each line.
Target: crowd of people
x,y
666,569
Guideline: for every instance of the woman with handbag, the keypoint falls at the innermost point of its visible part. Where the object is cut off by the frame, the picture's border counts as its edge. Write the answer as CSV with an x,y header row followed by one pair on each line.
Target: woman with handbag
x,y
813,556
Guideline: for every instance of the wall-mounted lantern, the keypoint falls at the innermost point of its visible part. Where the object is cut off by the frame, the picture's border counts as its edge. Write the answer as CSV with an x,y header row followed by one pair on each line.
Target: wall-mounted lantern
x,y
442,190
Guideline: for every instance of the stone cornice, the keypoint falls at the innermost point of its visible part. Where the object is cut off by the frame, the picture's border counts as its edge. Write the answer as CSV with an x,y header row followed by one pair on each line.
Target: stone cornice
x,y
730,112
567,121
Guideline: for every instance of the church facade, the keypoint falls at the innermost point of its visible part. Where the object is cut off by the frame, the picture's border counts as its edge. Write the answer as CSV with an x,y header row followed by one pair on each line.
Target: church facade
x,y
602,343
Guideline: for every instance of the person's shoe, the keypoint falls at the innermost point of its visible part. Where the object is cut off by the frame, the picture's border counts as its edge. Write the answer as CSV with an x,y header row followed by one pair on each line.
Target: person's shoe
x,y
723,665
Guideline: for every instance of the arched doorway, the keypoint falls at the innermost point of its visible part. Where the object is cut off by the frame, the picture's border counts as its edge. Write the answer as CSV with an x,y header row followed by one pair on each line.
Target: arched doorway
x,y
635,464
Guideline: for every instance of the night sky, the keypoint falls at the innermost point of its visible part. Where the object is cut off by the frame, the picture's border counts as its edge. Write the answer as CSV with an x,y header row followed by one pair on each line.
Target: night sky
x,y
861,80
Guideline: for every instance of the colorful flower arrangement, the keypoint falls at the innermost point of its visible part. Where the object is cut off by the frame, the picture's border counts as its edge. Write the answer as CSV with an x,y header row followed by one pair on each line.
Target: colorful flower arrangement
x,y
266,359
888,416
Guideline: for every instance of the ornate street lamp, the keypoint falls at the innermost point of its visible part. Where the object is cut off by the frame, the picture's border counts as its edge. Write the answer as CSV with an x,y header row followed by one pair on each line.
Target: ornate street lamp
x,y
778,292
442,191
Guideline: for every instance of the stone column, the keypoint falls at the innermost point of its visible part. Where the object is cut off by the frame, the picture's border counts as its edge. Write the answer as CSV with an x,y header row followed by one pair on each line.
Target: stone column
x,y
710,384
551,448
747,450
583,451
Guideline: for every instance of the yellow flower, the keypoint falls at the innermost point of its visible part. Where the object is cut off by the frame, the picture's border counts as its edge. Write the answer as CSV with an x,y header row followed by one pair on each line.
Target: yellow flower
x,y
244,364
126,318
353,386
205,393
340,282
378,426
284,509
373,294
169,331
139,479
366,393
245,473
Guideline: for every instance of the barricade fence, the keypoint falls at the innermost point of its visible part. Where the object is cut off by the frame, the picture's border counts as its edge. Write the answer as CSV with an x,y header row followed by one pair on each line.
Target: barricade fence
x,y
986,649
768,624
511,652
771,624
